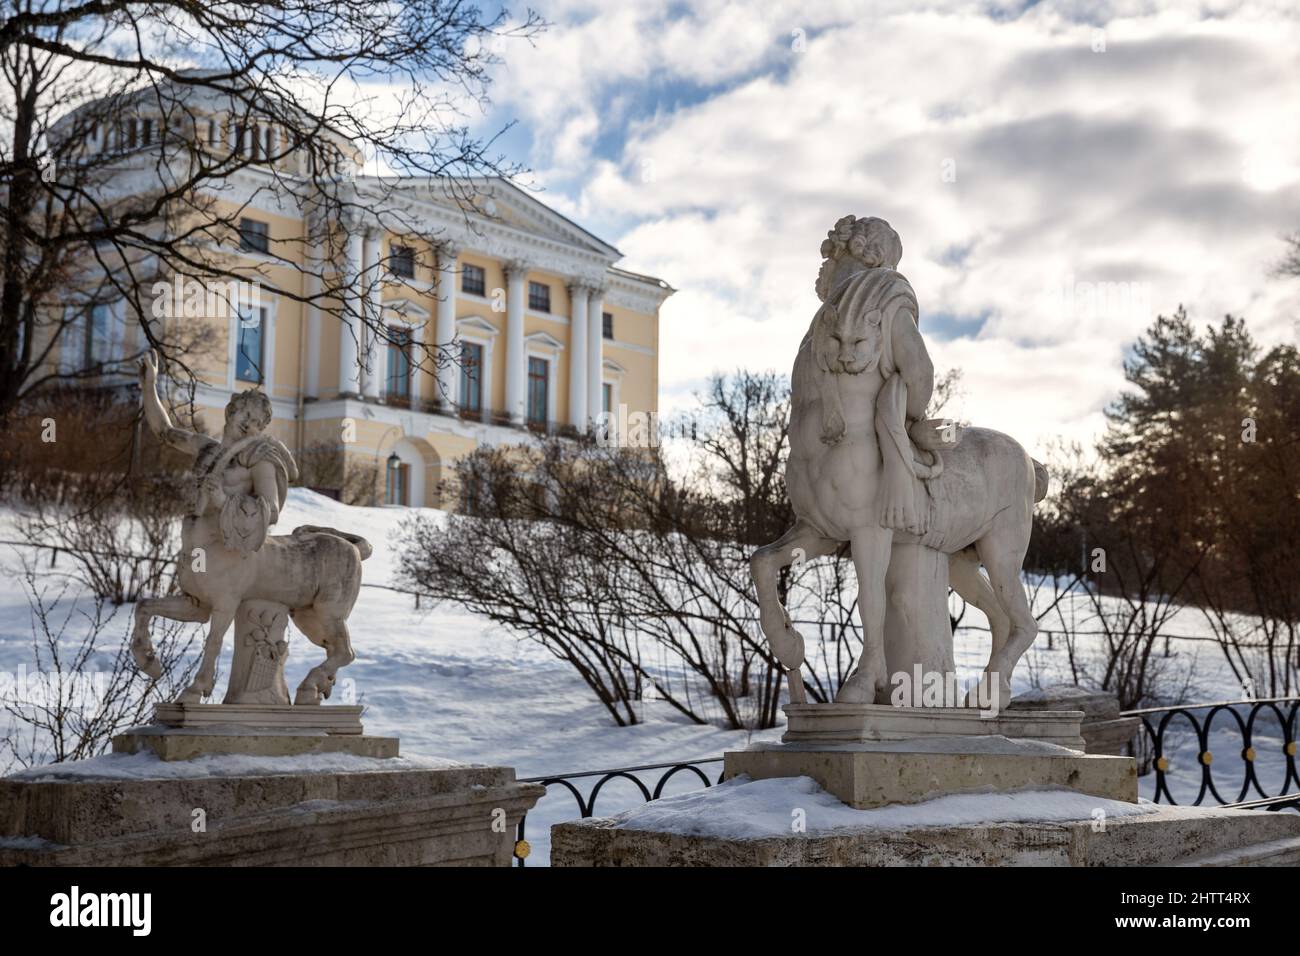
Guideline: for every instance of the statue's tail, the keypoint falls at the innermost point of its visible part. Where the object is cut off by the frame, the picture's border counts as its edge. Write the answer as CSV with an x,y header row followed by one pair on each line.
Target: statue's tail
x,y
361,544
1040,480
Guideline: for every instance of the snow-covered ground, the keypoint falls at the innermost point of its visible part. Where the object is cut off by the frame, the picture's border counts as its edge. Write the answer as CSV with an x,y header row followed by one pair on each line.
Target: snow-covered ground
x,y
455,687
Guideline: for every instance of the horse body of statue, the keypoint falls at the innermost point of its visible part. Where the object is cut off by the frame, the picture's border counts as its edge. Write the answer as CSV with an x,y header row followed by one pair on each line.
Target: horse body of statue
x,y
866,469
227,557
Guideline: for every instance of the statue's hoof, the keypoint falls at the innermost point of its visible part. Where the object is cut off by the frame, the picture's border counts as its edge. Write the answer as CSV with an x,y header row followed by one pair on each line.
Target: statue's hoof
x,y
190,695
147,662
1004,697
854,691
306,696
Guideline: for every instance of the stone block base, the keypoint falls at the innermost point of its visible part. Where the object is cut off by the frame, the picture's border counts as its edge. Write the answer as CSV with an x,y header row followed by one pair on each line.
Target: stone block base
x,y
440,817
182,744
308,718
1104,730
1110,736
865,778
1169,836
865,723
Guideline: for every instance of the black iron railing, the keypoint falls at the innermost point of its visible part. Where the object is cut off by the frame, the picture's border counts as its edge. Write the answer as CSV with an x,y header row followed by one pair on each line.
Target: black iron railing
x,y
587,804
1156,722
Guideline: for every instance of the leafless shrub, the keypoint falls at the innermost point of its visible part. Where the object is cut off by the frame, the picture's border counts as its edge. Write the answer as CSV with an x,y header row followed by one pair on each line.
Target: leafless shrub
x,y
323,467
121,537
82,687
639,581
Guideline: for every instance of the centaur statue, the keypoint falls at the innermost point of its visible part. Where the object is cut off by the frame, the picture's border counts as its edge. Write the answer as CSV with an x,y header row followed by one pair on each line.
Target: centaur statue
x,y
227,557
921,503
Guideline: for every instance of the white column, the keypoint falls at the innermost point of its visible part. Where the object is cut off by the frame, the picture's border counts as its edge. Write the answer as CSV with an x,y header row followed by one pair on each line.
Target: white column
x,y
578,295
445,330
516,364
418,334
313,282
373,363
350,324
595,352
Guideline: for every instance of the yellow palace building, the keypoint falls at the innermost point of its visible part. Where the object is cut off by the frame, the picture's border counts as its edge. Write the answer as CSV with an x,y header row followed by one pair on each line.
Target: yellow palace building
x,y
549,333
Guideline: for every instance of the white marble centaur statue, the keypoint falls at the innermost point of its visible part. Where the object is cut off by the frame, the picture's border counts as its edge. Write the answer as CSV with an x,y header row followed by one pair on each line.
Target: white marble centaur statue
x,y
921,502
230,567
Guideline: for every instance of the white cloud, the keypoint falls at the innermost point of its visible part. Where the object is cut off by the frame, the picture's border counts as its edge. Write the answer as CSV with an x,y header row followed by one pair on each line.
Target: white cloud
x,y
716,156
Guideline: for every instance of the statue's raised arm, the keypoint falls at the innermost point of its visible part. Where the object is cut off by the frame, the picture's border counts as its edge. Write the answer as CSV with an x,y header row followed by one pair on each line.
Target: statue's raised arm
x,y
160,423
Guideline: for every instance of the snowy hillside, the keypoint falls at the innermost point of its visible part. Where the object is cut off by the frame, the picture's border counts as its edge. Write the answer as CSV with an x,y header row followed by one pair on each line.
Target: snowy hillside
x,y
453,686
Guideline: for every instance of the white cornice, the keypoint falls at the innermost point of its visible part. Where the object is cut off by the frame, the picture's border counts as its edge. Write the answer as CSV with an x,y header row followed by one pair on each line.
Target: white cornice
x,y
570,261
475,324
628,346
544,340
639,295
407,309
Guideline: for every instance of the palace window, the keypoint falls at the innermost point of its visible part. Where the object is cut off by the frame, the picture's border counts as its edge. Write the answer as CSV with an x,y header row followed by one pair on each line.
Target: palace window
x,y
606,325
254,236
250,365
471,377
401,261
93,337
99,343
606,397
539,297
539,371
398,491
472,280
399,364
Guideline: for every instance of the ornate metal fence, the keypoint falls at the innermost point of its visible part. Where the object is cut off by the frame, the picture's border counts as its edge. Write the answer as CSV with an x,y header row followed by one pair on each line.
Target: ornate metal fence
x,y
587,804
1158,721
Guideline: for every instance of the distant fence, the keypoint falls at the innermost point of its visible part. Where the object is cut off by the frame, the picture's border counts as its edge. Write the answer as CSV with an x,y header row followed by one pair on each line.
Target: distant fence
x,y
1044,633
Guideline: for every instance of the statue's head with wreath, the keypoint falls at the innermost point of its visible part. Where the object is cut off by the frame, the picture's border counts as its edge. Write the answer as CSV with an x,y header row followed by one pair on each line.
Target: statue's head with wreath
x,y
853,246
247,413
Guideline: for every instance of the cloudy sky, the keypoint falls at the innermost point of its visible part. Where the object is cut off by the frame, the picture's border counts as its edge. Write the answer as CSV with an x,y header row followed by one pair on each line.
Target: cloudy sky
x,y
1059,173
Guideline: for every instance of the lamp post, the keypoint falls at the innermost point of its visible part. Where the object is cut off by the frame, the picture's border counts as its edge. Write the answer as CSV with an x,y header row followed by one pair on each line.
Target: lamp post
x,y
394,463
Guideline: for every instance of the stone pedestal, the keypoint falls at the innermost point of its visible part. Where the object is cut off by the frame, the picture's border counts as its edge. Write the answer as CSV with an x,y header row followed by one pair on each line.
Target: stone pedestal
x,y
1166,836
865,723
321,718
1104,730
459,816
876,775
186,731
872,755
179,743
